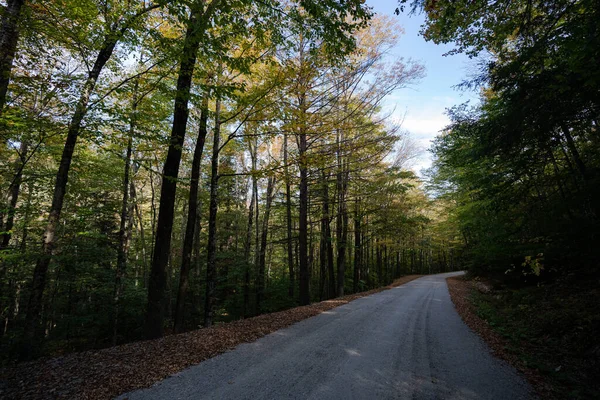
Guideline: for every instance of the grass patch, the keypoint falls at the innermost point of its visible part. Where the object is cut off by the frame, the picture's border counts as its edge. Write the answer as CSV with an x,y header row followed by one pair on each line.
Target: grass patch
x,y
553,328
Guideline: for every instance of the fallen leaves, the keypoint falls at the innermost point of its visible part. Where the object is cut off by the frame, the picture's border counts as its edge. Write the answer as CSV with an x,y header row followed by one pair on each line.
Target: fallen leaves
x,y
107,373
460,291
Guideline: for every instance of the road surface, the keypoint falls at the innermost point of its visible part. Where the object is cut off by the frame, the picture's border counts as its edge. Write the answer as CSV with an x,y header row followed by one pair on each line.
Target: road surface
x,y
403,343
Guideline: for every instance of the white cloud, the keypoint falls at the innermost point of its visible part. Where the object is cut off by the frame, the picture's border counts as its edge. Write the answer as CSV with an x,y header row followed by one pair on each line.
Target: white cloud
x,y
425,126
422,113
424,122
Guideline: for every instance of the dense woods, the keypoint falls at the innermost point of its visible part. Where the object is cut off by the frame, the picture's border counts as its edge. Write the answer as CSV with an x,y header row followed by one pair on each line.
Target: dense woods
x,y
167,166
520,174
521,169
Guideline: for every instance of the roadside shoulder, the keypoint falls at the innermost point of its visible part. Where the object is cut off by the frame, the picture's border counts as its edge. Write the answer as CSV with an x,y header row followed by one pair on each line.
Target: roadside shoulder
x,y
461,291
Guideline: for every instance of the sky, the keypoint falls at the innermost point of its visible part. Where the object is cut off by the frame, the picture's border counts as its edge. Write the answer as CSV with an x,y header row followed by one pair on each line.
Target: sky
x,y
421,107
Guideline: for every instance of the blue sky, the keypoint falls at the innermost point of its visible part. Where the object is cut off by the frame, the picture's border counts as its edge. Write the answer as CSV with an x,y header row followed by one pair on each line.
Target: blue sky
x,y
422,106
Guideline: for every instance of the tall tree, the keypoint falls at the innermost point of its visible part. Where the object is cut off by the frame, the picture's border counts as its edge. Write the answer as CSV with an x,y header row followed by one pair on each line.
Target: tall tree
x,y
13,196
260,279
197,23
125,220
211,250
288,215
191,224
303,204
9,37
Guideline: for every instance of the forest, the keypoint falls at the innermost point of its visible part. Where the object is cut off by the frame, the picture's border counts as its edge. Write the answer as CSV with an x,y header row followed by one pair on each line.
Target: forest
x,y
521,168
521,172
171,165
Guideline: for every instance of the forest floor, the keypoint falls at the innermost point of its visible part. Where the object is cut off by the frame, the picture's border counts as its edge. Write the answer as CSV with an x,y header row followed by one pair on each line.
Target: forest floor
x,y
548,332
106,373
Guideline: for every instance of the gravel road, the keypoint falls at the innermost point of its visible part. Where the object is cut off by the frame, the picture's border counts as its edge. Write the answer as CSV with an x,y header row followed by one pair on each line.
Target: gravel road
x,y
403,343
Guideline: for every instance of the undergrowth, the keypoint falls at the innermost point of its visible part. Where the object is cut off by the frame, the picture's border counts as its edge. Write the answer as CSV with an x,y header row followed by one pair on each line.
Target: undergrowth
x,y
554,328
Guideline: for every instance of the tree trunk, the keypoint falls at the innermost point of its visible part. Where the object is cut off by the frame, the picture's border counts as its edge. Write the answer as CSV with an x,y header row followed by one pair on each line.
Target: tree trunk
x,y
303,223
322,262
188,241
254,157
379,263
581,167
152,216
247,246
138,215
14,191
132,215
256,207
328,240
155,313
26,218
357,247
341,219
6,230
260,279
9,37
574,152
124,223
368,252
197,244
324,240
288,214
211,267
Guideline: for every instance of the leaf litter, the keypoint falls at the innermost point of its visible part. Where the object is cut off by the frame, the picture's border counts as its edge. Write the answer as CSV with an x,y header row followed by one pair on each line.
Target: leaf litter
x,y
460,292
106,373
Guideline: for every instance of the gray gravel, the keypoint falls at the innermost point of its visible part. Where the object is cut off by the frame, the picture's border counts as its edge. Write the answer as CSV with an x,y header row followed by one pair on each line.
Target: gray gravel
x,y
403,343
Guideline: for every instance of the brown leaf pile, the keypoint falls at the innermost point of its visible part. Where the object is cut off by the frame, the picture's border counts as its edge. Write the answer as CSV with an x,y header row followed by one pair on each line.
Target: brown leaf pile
x,y
104,374
460,292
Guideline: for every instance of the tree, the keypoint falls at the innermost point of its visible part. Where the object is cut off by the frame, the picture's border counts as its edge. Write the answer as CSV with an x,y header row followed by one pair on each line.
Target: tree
x,y
9,38
192,217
